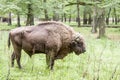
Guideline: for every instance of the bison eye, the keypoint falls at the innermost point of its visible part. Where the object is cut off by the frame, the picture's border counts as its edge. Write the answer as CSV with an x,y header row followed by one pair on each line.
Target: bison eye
x,y
80,44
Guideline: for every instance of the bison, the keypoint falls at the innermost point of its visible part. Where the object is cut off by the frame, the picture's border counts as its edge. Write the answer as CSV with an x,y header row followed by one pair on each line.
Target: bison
x,y
54,39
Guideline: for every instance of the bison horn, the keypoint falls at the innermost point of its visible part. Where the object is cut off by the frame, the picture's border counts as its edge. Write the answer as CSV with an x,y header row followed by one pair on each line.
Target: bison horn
x,y
77,36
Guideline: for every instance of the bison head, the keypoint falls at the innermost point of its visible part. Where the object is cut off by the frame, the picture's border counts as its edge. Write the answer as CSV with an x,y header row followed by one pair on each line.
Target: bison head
x,y
78,44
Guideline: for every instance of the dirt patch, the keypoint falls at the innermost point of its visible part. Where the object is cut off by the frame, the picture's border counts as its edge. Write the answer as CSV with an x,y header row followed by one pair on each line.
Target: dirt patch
x,y
115,37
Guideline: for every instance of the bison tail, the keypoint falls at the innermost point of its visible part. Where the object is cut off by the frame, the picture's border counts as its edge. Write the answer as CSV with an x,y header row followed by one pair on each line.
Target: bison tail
x,y
9,41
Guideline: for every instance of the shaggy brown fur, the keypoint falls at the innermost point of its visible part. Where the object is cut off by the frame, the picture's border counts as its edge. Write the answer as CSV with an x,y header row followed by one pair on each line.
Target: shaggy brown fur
x,y
54,39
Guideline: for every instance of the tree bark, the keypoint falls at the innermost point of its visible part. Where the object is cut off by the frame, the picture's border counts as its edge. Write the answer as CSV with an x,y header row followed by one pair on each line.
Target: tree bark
x,y
30,16
78,14
90,19
107,19
84,17
55,16
46,12
65,19
115,16
94,24
101,24
118,19
62,16
69,18
113,20
18,20
9,19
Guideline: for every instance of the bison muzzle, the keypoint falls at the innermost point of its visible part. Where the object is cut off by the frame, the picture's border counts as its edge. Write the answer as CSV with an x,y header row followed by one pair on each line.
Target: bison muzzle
x,y
54,39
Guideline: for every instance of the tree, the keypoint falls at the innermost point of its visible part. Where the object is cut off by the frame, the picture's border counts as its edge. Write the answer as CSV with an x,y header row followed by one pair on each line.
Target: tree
x,y
87,14
30,16
78,14
94,24
18,20
108,16
101,23
45,10
9,19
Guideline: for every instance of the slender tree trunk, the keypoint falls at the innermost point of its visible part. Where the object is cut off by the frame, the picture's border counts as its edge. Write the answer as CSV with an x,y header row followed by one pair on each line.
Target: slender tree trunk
x,y
107,19
65,19
94,24
46,12
118,19
84,17
55,16
78,14
69,18
30,16
46,15
115,16
113,19
90,19
9,19
0,19
18,20
101,24
32,20
62,17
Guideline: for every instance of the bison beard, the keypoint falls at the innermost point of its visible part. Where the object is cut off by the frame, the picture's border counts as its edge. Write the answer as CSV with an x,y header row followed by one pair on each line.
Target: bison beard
x,y
54,39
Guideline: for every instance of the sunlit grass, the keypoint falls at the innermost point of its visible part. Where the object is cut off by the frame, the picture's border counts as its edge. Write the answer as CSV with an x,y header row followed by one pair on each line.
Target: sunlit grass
x,y
102,60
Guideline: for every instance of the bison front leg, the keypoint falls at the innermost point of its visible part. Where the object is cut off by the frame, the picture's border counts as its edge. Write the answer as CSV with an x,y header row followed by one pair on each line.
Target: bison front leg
x,y
50,60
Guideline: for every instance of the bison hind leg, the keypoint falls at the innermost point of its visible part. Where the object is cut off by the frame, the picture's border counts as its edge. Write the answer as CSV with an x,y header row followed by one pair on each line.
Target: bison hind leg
x,y
16,55
12,59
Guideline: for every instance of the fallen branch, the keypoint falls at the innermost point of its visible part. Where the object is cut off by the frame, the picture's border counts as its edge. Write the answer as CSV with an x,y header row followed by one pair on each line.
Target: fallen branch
x,y
80,3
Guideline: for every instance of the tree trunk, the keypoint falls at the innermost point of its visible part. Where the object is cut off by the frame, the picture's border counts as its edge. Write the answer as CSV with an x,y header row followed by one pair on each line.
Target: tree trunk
x,y
113,20
65,19
69,18
55,16
32,20
30,16
115,16
84,17
46,12
9,19
78,14
118,19
101,24
18,20
107,19
62,17
94,24
90,19
46,15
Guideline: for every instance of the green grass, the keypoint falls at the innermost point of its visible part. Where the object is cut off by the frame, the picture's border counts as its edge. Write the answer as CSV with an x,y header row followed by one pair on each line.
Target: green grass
x,y
4,26
100,61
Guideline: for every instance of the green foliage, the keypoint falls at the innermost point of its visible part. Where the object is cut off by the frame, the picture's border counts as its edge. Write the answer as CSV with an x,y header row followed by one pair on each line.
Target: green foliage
x,y
57,6
101,59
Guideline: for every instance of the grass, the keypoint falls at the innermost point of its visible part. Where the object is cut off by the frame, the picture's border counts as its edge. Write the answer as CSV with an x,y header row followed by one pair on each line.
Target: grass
x,y
100,62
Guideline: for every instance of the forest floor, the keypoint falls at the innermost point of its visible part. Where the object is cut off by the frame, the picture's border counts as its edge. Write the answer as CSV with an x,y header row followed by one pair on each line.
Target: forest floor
x,y
101,61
